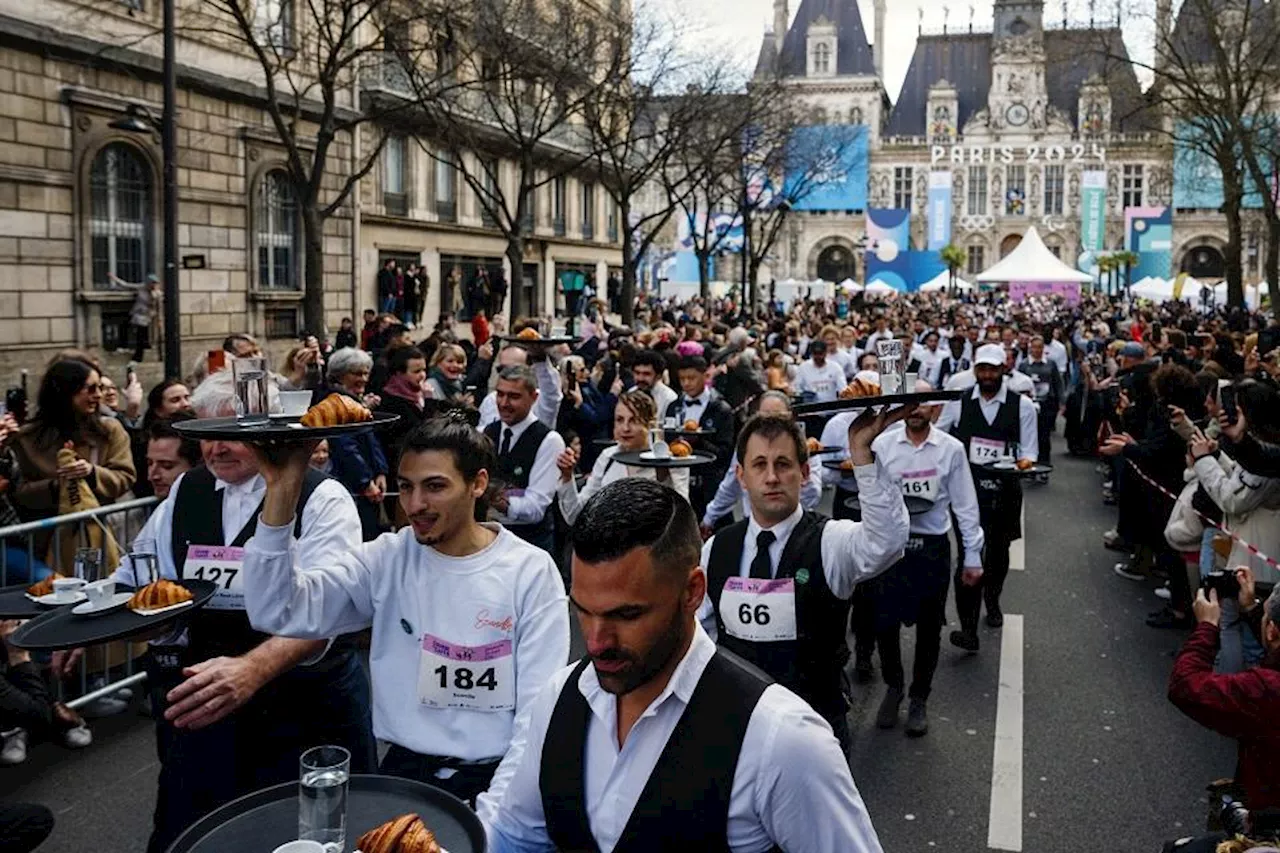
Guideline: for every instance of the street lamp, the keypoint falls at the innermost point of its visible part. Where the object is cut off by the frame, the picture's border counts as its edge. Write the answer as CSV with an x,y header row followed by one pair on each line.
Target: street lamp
x,y
137,119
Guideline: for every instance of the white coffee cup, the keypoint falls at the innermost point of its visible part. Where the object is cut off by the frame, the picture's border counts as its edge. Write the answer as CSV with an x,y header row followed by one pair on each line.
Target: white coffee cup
x,y
65,589
300,846
100,592
295,403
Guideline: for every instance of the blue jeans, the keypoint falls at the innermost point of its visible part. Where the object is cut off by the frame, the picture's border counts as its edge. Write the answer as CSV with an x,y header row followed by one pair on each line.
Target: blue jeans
x,y
21,567
1238,649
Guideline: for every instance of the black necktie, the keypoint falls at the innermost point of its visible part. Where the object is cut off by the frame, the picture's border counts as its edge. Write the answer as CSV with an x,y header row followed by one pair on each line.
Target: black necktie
x,y
761,566
506,441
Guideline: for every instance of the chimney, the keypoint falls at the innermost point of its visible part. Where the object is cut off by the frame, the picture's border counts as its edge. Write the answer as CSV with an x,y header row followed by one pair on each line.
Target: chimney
x,y
878,48
781,22
1164,31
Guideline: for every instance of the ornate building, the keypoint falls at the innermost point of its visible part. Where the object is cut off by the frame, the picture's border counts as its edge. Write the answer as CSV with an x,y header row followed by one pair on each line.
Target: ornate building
x,y
1016,115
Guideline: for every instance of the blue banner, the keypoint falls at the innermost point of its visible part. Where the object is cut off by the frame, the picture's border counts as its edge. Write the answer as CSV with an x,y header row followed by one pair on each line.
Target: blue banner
x,y
1149,232
827,168
889,247
939,214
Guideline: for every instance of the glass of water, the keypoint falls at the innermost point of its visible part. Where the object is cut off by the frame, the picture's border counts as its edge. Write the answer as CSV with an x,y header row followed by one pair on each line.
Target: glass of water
x,y
145,564
322,796
88,564
252,401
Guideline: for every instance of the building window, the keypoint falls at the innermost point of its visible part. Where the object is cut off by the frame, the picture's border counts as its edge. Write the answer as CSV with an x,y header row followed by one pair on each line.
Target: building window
x,y
446,60
276,226
977,261
135,5
903,179
588,207
446,188
492,199
1015,199
819,115
1131,188
120,186
557,206
394,155
273,21
977,190
855,115
530,205
613,220
1054,178
1056,251
822,58
281,322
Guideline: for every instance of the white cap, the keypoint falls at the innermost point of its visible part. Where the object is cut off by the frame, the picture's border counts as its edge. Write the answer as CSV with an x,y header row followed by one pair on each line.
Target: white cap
x,y
992,354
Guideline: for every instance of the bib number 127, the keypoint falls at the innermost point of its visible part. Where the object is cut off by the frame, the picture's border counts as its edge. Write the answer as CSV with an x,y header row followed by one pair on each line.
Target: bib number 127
x,y
465,678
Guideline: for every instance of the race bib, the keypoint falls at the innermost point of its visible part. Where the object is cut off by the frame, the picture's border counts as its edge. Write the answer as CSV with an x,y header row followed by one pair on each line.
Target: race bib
x,y
759,610
921,484
822,386
984,450
470,678
222,566
1041,390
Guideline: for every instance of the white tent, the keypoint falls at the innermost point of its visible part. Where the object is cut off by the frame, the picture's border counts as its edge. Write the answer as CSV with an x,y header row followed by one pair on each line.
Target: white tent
x,y
1032,262
879,288
1252,294
942,282
850,286
1156,289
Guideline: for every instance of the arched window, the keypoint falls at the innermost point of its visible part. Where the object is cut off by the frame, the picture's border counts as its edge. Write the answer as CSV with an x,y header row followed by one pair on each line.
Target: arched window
x,y
276,226
120,204
855,115
822,58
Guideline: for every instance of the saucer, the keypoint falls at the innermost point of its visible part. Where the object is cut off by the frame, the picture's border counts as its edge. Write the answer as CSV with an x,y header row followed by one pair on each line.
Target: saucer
x,y
54,600
120,599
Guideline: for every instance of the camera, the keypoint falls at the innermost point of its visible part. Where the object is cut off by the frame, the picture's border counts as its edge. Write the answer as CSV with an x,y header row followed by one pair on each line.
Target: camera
x,y
1224,582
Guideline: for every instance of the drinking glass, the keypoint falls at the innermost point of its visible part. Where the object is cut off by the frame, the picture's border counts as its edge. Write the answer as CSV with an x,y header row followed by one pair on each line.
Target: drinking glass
x,y
88,564
322,796
142,558
252,400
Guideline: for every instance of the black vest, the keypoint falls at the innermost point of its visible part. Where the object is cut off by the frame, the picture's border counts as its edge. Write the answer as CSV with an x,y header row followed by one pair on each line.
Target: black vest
x,y
685,803
514,468
197,520
997,496
810,665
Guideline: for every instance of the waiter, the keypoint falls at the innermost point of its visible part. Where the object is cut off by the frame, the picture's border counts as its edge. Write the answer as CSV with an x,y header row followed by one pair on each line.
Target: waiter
x,y
469,622
992,421
699,403
527,451
1049,394
927,464
656,740
779,581
954,363
235,708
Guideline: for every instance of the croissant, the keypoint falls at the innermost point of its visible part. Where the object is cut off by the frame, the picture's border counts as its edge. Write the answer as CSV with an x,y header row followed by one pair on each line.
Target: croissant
x,y
691,426
860,388
529,334
162,593
813,444
44,587
405,834
1025,464
681,449
336,410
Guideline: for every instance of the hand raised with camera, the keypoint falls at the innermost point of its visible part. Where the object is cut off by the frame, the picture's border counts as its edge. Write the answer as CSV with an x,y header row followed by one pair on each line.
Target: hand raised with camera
x,y
1248,596
1202,446
1206,606
1234,431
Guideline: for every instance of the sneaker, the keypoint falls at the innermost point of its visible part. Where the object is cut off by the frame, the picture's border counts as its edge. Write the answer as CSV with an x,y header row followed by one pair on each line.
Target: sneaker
x,y
1042,479
917,718
1114,541
14,750
995,617
887,716
103,707
78,737
1168,619
1124,571
967,640
864,671
1164,593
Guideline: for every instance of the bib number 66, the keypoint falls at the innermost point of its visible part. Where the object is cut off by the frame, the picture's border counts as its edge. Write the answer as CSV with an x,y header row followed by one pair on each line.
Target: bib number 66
x,y
758,615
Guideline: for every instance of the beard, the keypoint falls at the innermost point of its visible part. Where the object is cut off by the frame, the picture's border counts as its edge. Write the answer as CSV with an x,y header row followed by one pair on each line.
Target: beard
x,y
990,387
642,668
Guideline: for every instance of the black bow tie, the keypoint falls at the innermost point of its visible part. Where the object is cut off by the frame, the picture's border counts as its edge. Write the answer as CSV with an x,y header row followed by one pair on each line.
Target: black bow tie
x,y
697,402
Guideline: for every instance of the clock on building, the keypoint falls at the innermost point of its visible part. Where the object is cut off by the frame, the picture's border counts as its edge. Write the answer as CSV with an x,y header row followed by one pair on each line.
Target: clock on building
x,y
1017,115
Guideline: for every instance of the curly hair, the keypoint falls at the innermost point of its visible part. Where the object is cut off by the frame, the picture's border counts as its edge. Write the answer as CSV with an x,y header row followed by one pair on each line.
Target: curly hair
x,y
642,406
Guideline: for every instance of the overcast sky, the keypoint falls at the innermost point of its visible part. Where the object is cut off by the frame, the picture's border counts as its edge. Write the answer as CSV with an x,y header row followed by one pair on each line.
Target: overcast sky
x,y
740,24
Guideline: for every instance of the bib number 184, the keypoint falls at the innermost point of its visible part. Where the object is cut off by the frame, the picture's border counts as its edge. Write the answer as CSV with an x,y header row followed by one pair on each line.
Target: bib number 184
x,y
465,678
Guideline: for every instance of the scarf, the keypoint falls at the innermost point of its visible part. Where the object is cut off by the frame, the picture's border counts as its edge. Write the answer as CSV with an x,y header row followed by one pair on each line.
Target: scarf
x,y
452,387
400,385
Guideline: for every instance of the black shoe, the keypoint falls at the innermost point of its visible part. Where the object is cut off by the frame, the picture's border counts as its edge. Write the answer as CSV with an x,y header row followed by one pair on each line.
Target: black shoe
x,y
995,618
967,640
1168,619
863,671
887,716
917,719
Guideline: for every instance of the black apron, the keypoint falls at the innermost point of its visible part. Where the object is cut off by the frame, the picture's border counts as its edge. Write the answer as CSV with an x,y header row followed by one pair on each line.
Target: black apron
x,y
999,495
923,574
514,469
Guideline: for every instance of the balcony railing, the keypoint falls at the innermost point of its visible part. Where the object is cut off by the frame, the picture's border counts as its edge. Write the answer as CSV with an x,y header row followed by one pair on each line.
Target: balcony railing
x,y
396,204
588,231
447,211
386,74
613,232
558,226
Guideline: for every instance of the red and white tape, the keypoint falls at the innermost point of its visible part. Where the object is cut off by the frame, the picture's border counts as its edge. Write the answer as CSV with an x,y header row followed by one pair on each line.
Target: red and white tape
x,y
1217,525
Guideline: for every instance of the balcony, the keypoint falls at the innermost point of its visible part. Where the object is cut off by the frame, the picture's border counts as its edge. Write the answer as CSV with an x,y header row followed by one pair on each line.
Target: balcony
x,y
395,204
558,226
613,232
588,231
387,75
447,211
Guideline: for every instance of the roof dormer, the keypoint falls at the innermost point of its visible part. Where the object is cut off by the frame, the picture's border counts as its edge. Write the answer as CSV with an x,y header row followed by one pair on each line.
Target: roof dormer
x,y
821,48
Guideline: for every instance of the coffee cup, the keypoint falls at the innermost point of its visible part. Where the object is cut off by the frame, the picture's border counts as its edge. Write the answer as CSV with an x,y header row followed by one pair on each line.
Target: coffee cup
x,y
295,403
100,592
300,846
65,589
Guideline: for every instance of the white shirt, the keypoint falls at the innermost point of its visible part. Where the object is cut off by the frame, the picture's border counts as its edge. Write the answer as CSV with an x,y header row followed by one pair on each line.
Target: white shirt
x,y
842,357
606,471
896,454
507,591
731,492
1057,353
825,382
1028,442
790,768
852,551
662,395
330,527
931,364
530,506
546,408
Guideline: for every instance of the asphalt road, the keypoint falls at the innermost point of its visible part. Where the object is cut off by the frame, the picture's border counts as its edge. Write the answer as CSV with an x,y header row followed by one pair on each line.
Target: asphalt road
x,y
1103,761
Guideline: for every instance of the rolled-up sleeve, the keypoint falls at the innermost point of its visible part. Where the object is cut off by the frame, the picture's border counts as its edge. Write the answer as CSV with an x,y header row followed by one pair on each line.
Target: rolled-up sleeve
x,y
964,502
854,551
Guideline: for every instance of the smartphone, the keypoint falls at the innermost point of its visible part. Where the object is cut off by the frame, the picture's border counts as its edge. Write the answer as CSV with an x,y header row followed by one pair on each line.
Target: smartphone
x,y
1227,395
130,370
217,359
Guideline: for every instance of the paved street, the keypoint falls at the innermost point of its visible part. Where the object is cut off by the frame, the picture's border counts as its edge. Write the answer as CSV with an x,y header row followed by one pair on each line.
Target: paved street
x,y
1096,760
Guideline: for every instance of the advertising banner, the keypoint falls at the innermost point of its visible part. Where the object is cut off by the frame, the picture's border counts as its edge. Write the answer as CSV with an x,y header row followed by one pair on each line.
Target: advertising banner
x,y
1070,291
939,214
1149,232
888,247
1093,211
827,168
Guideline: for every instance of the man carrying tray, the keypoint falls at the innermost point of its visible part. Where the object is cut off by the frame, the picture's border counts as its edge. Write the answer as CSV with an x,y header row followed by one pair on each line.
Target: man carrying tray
x,y
235,707
469,622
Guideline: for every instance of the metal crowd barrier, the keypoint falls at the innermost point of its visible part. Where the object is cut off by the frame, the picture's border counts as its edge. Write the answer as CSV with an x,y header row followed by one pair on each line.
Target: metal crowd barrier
x,y
80,520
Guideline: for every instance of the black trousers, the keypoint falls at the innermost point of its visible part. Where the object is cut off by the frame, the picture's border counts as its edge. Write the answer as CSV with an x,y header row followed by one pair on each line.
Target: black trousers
x,y
913,591
464,781
1045,423
23,826
141,341
995,568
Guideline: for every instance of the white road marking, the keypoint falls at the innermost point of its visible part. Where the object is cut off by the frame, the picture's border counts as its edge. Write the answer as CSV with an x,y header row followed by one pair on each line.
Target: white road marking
x,y
1018,549
1004,824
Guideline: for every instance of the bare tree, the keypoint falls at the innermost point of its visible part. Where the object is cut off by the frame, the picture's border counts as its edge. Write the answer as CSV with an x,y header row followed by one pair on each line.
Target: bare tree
x,y
312,57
